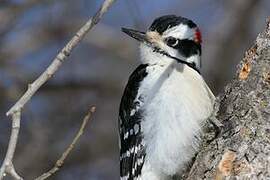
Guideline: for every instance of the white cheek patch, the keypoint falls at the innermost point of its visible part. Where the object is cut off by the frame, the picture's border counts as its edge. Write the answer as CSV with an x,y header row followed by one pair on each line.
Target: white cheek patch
x,y
157,40
181,31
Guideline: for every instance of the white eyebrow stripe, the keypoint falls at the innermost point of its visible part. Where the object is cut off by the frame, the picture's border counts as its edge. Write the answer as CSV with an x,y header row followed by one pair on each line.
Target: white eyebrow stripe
x,y
180,31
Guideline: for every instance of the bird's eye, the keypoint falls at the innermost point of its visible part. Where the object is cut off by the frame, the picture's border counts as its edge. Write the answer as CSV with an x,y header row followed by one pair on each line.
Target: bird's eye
x,y
172,41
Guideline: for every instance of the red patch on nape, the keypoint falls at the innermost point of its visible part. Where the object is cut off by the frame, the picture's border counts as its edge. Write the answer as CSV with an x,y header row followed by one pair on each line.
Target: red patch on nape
x,y
198,36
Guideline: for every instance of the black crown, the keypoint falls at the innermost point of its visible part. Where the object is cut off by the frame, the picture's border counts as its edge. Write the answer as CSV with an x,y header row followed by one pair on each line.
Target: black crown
x,y
163,23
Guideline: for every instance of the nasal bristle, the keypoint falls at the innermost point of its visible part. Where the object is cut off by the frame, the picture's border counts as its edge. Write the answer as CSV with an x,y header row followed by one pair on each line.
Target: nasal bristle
x,y
198,36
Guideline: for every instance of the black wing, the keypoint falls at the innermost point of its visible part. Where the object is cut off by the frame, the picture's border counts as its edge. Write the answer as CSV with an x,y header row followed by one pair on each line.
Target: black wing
x,y
132,151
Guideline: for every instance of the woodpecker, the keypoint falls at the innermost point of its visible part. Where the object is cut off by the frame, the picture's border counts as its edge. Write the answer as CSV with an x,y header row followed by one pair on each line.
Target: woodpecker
x,y
165,103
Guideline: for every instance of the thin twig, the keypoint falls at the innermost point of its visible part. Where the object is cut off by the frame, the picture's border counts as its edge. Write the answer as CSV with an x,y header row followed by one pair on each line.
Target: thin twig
x,y
15,111
60,58
59,163
7,166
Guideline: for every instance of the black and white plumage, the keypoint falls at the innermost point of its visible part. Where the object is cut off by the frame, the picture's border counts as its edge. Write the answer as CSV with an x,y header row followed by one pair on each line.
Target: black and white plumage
x,y
165,102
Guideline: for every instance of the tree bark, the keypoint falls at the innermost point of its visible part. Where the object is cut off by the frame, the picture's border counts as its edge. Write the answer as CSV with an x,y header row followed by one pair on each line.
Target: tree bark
x,y
241,150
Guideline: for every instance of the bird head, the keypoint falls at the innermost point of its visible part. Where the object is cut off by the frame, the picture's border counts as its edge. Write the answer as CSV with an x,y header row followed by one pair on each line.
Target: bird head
x,y
174,37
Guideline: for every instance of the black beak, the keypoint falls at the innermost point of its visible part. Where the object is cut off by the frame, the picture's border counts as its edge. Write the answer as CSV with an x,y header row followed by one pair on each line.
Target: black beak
x,y
140,36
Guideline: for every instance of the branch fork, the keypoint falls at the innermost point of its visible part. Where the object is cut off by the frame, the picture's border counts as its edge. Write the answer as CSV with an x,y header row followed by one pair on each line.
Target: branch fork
x,y
15,111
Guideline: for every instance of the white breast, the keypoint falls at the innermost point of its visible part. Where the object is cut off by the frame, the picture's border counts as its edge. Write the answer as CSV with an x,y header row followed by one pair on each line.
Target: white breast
x,y
176,102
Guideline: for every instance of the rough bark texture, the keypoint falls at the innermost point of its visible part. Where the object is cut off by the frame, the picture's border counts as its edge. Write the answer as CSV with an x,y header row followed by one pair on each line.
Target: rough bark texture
x,y
242,148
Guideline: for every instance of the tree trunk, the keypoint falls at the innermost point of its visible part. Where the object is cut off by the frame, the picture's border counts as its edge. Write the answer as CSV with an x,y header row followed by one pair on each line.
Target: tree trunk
x,y
241,150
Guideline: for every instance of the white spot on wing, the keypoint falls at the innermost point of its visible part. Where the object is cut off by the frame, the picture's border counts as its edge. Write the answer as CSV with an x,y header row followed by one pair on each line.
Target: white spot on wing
x,y
136,128
125,177
132,112
126,135
131,131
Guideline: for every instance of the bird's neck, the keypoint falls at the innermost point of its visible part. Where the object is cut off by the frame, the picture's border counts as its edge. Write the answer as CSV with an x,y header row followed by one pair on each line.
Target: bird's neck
x,y
156,58
196,60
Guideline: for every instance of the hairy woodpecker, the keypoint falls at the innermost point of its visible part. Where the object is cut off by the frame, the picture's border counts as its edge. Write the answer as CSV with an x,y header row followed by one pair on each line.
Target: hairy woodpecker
x,y
165,103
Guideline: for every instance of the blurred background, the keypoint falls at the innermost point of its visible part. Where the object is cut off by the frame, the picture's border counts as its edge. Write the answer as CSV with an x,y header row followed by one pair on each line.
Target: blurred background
x,y
33,31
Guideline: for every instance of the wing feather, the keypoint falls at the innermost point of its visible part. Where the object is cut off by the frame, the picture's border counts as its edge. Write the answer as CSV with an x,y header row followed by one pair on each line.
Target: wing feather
x,y
132,150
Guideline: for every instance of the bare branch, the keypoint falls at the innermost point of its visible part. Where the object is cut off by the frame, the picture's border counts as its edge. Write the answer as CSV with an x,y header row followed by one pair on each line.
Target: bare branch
x,y
11,170
60,58
15,111
7,166
59,163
